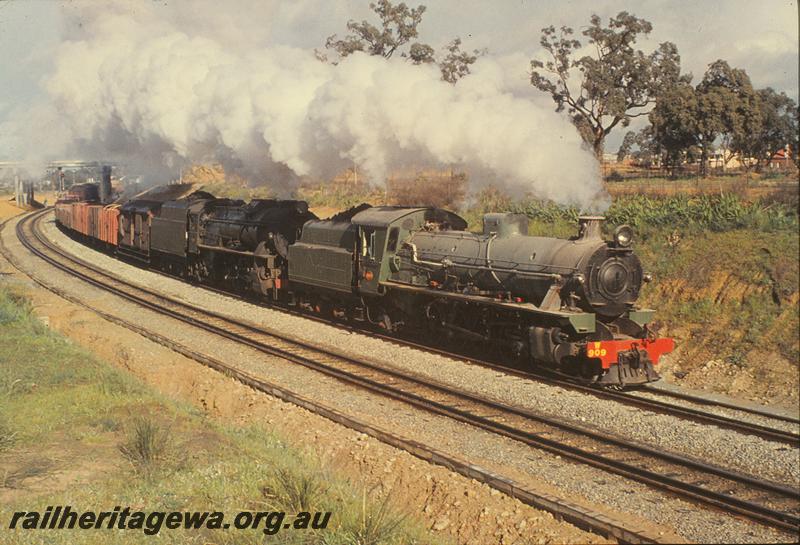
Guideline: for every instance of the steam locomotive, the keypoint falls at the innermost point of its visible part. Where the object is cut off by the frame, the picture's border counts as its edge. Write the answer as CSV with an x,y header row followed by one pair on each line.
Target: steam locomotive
x,y
567,305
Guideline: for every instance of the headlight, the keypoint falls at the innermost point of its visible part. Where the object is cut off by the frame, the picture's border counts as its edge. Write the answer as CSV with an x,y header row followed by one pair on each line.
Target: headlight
x,y
623,236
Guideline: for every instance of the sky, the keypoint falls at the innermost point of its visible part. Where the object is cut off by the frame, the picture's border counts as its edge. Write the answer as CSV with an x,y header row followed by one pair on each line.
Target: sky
x,y
761,37
40,68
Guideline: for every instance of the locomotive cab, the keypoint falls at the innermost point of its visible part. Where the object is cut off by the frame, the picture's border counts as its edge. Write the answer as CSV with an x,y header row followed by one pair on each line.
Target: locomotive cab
x,y
381,230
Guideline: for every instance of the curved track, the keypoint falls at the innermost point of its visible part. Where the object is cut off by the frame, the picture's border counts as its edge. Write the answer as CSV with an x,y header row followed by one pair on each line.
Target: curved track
x,y
563,381
630,398
765,502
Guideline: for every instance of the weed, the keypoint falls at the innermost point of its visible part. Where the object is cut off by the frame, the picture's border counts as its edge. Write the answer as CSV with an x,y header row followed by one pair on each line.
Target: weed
x,y
736,359
13,306
115,385
378,522
147,446
108,424
32,468
296,490
7,435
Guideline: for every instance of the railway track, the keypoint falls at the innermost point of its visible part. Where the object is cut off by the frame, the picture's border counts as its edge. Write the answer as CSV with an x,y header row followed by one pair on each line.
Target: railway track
x,y
554,379
630,398
765,502
702,417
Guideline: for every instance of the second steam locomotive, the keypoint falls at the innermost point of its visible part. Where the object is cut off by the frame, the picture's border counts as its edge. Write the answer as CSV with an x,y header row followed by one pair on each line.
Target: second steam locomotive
x,y
568,305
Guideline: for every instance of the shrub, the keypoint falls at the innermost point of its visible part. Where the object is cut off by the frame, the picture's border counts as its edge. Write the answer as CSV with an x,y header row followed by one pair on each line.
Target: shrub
x,y
433,189
147,446
378,522
296,490
712,212
13,306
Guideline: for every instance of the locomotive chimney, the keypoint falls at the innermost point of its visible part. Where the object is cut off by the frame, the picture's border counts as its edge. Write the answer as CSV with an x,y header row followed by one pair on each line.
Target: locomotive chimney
x,y
589,227
105,185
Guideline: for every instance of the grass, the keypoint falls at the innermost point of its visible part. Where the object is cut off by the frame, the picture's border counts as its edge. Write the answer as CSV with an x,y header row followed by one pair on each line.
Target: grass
x,y
6,435
726,293
64,411
699,213
300,490
148,445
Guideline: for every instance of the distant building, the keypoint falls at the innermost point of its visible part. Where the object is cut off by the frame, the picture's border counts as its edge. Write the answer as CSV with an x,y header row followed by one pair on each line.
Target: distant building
x,y
781,159
726,159
609,158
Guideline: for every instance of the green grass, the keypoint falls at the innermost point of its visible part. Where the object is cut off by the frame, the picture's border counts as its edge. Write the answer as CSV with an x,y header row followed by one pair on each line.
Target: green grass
x,y
734,291
699,213
63,409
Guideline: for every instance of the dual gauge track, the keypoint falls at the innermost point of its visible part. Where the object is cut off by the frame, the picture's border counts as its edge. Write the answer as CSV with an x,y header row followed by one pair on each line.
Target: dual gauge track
x,y
769,503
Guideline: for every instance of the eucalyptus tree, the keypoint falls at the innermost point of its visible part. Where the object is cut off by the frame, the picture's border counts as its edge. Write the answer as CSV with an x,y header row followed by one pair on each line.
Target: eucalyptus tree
x,y
397,27
607,83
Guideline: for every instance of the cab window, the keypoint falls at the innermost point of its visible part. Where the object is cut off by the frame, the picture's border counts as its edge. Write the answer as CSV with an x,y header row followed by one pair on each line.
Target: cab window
x,y
394,234
368,243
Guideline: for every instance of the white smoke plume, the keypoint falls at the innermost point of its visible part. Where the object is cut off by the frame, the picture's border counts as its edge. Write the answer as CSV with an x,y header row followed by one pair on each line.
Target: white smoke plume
x,y
168,85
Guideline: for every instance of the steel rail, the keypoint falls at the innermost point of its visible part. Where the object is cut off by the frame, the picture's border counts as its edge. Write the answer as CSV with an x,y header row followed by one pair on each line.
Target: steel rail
x,y
749,428
755,511
574,513
556,379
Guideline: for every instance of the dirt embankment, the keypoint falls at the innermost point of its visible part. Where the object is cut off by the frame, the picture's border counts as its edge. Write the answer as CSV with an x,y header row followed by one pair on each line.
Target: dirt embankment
x,y
8,208
731,302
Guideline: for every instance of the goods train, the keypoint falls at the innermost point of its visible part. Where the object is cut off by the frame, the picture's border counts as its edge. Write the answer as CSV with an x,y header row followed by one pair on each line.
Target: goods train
x,y
562,304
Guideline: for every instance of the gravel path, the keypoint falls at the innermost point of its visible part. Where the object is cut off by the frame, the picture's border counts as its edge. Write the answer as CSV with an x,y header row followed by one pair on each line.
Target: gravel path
x,y
505,456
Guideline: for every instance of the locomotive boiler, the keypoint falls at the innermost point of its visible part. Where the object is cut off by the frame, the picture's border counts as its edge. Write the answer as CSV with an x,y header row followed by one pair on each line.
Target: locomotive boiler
x,y
240,245
583,272
566,304
247,243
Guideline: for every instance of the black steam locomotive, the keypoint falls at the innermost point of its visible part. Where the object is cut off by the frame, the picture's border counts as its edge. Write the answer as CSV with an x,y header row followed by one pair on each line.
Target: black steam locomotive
x,y
564,304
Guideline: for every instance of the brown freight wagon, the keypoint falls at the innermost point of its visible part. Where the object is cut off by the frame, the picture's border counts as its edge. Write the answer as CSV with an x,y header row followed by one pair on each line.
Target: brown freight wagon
x,y
79,214
64,214
103,227
73,214
60,216
109,224
94,221
83,218
112,223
